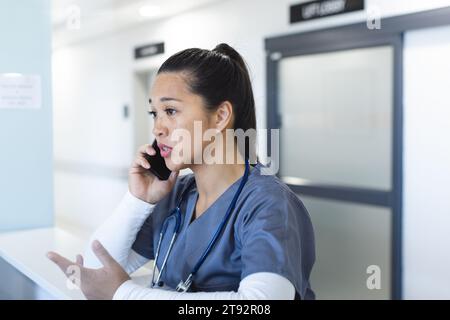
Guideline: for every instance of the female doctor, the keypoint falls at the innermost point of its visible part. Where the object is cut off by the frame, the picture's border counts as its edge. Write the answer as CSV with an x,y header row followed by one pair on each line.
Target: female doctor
x,y
224,232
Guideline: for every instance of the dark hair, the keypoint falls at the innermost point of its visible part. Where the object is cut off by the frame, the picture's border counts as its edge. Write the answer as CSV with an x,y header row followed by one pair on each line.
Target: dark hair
x,y
219,75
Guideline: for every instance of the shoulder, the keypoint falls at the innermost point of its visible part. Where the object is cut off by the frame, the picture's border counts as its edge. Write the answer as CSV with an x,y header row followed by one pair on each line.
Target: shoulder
x,y
270,190
267,197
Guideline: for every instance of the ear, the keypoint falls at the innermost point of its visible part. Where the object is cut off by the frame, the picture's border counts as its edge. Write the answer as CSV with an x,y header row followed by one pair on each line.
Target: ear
x,y
223,116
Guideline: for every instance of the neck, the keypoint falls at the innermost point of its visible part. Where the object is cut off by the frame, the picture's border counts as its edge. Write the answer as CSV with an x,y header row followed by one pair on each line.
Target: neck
x,y
212,180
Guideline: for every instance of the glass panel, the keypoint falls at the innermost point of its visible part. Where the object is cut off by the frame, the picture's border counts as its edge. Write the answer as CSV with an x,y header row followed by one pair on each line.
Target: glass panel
x,y
336,117
349,239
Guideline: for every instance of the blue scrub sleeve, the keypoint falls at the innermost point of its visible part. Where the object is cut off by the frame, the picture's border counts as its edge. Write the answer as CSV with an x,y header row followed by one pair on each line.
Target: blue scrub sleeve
x,y
277,236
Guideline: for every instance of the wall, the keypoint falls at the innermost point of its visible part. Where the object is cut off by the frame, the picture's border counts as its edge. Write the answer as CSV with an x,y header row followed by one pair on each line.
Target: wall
x,y
26,172
427,164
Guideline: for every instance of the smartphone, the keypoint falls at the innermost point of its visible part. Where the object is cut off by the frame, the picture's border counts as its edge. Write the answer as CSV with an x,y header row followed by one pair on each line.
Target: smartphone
x,y
157,164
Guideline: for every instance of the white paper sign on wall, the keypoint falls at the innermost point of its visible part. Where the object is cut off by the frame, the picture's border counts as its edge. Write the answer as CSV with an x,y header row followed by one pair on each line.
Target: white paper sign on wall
x,y
19,91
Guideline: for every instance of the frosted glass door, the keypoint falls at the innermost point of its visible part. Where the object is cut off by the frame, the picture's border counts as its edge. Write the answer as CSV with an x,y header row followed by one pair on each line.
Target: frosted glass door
x,y
336,151
336,115
350,238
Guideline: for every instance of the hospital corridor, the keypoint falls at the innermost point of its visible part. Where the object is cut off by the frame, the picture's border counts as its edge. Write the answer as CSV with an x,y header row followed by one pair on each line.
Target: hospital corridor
x,y
224,150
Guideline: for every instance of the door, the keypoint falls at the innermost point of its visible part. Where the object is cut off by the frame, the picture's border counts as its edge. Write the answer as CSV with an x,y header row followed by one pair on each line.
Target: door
x,y
142,121
336,105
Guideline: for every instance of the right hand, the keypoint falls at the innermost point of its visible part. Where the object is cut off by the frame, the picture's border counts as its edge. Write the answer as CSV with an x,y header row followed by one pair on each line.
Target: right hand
x,y
143,184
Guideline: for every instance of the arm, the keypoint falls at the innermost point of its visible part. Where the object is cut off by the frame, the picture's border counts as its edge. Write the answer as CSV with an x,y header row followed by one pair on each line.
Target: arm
x,y
118,233
257,286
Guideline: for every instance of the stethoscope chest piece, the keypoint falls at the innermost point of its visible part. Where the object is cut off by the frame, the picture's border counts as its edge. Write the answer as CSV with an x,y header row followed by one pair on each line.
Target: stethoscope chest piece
x,y
184,286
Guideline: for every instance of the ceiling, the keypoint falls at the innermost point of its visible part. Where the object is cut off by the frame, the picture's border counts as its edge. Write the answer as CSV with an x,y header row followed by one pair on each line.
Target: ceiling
x,y
101,16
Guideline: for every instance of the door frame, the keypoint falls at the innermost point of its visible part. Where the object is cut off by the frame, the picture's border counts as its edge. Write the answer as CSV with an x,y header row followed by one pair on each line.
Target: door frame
x,y
141,91
348,37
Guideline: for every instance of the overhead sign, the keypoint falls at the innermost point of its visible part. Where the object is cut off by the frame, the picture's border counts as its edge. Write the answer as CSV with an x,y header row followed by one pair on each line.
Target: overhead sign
x,y
149,50
323,8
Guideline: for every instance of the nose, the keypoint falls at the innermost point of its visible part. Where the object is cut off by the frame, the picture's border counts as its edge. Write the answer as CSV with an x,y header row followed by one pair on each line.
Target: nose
x,y
159,128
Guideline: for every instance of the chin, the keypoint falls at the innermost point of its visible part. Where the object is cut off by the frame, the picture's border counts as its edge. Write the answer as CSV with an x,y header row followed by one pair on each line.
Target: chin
x,y
175,166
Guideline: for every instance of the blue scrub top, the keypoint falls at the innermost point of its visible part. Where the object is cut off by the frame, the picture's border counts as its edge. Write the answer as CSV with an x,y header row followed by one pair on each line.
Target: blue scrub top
x,y
269,230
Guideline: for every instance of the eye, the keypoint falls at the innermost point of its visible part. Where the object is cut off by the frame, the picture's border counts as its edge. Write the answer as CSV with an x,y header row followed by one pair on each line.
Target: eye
x,y
170,111
153,114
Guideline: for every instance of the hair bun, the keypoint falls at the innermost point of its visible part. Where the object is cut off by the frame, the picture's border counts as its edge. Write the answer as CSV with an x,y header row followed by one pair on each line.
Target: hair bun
x,y
229,51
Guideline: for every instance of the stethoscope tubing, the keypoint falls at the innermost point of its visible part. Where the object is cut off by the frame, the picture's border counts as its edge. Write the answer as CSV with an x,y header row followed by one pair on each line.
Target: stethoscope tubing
x,y
184,285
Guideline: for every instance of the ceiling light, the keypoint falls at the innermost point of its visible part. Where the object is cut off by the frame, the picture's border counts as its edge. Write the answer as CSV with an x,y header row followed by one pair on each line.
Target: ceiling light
x,y
148,11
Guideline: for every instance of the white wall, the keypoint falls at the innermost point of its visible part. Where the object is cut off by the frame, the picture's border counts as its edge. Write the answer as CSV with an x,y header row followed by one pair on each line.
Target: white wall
x,y
92,81
427,164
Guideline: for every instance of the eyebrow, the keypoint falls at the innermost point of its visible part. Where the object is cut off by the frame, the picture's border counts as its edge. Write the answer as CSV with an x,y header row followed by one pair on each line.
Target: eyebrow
x,y
164,99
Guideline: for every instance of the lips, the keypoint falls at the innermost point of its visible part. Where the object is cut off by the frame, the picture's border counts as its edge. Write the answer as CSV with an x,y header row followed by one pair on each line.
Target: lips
x,y
165,150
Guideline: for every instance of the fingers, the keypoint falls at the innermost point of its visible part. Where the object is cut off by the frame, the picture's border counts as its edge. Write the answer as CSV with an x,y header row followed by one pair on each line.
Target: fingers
x,y
141,160
140,165
146,149
102,254
60,261
80,260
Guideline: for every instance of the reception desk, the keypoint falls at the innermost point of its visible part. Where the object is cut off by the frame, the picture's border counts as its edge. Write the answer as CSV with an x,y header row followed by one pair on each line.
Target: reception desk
x,y
26,273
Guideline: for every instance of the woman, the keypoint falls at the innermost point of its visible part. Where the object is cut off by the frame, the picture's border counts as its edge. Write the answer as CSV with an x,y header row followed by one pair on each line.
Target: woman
x,y
265,248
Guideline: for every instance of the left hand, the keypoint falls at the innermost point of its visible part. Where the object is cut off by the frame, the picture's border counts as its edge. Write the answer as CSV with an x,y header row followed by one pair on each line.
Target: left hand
x,y
98,284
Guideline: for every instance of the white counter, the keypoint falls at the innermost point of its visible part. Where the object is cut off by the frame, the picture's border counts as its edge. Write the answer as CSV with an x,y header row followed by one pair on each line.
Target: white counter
x,y
26,251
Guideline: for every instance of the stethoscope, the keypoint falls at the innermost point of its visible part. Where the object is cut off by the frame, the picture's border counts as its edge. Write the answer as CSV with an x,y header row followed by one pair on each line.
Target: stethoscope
x,y
184,286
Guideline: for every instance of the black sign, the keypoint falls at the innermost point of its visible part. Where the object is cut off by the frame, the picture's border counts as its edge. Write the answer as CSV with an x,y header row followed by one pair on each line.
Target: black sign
x,y
149,50
323,8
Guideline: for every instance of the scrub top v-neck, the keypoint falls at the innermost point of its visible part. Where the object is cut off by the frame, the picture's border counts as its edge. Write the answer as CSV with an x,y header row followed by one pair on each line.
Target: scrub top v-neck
x,y
269,231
